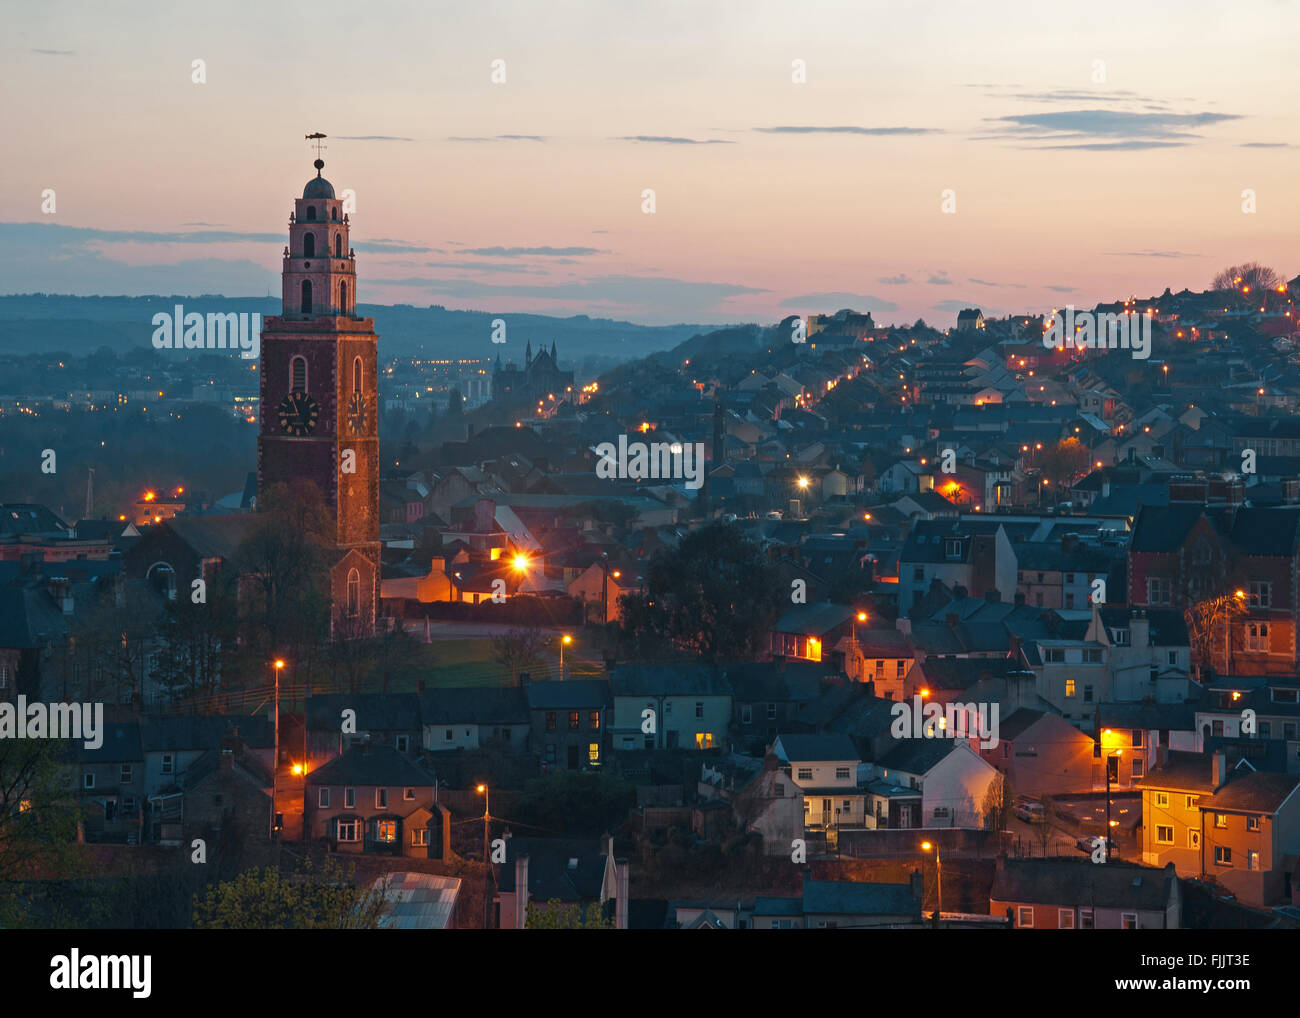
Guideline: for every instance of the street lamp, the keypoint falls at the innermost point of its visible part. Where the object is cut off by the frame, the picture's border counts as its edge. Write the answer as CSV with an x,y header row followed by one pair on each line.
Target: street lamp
x,y
938,877
859,617
565,640
1117,754
278,667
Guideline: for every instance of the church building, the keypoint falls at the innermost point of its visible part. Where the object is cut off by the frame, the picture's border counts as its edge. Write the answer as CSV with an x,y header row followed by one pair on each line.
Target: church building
x,y
539,379
319,398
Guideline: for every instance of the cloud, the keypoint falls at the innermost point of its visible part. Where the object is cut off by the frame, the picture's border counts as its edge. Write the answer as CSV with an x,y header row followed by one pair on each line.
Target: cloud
x,y
1151,254
57,236
902,279
875,131
481,266
382,245
669,140
371,137
546,252
839,300
1061,289
960,305
1265,144
1103,130
56,52
985,282
939,278
505,137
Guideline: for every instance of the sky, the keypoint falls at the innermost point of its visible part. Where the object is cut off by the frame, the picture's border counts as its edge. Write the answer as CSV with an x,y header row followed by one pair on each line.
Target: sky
x,y
1090,151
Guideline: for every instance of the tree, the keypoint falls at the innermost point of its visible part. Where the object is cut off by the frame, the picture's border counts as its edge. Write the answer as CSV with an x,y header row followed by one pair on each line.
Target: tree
x,y
713,597
1064,462
1244,279
1209,621
999,803
455,402
264,899
517,650
555,915
1043,832
576,803
38,816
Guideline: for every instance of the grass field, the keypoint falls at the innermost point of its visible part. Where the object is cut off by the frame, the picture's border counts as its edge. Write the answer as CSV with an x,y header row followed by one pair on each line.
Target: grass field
x,y
469,663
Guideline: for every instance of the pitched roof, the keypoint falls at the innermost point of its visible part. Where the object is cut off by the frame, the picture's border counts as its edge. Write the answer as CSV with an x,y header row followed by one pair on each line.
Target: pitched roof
x,y
847,897
483,705
374,711
668,680
798,748
1073,882
371,765
579,693
1253,792
1163,528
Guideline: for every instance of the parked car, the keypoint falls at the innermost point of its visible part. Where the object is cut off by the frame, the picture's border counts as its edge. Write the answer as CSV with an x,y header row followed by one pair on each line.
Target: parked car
x,y
1090,842
729,518
775,514
1031,812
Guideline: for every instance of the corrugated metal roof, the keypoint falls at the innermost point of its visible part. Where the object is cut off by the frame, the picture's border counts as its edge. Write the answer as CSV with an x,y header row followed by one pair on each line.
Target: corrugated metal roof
x,y
418,901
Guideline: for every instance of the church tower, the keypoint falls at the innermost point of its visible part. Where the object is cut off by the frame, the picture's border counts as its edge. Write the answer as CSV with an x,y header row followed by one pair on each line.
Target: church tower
x,y
319,398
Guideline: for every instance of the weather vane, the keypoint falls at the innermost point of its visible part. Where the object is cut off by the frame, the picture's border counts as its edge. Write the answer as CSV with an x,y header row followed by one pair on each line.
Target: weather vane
x,y
317,138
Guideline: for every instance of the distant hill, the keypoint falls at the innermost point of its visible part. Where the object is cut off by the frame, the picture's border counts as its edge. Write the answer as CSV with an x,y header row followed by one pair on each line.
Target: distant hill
x,y
30,322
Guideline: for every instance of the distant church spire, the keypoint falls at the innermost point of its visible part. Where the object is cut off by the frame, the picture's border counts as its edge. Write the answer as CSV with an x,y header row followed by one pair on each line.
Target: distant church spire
x,y
528,353
553,357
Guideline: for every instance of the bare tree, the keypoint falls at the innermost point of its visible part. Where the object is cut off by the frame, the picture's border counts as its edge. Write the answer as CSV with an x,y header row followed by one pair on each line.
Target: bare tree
x,y
1209,621
518,649
1246,279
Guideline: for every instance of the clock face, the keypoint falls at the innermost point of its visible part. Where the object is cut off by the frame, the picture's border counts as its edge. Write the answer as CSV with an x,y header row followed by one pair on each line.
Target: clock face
x,y
357,413
298,414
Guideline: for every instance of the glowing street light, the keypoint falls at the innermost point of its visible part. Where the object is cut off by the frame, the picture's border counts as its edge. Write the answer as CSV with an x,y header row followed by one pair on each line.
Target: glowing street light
x,y
938,877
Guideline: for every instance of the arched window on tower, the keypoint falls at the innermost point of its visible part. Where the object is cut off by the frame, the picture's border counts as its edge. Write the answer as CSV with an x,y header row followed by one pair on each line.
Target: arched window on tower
x,y
309,245
356,374
338,245
343,298
311,211
334,214
354,593
306,296
298,374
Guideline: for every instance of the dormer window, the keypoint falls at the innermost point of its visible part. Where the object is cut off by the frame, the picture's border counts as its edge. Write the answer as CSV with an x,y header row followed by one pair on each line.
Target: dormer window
x,y
1284,695
1119,637
952,548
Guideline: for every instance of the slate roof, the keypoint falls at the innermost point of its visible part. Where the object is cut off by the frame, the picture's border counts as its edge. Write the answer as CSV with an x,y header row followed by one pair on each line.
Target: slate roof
x,y
371,765
188,732
1182,770
482,705
813,619
668,680
1163,528
1075,882
375,711
550,873
213,536
801,748
1254,792
589,694
845,897
121,743
916,756
1267,531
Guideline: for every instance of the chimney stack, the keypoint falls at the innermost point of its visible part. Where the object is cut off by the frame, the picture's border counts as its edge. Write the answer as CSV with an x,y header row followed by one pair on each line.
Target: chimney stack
x,y
521,890
1219,773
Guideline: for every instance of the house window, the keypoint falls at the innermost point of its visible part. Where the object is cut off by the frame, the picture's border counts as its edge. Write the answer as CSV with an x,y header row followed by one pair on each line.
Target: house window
x,y
386,830
1025,917
918,574
1189,802
771,712
1119,637
1252,823
699,710
1261,593
593,752
408,794
447,735
1069,603
1162,800
1257,637
323,798
1139,767
805,774
1136,738
1171,659
1221,820
346,830
381,798
1222,855
420,837
1128,921
168,762
841,774
550,720
403,743
574,724
746,715
1085,918
1159,590
1092,655
703,740
1065,919
1056,656
349,798
593,720
88,781
1164,834
1069,687
1216,728
900,667
550,752
1087,694
127,775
